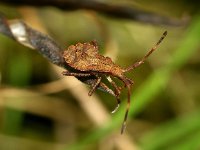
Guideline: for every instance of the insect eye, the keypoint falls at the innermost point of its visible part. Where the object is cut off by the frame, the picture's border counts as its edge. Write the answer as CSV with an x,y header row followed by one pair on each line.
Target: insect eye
x,y
76,50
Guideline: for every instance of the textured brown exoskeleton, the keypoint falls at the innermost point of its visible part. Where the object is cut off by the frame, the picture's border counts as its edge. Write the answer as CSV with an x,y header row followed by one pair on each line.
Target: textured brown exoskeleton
x,y
87,62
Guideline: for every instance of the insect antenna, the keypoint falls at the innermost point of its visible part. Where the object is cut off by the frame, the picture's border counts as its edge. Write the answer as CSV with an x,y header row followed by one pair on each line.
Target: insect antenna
x,y
138,63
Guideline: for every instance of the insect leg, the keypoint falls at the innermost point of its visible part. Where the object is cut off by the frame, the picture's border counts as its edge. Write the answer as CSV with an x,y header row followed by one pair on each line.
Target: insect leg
x,y
102,86
105,88
117,93
94,86
138,63
127,108
67,73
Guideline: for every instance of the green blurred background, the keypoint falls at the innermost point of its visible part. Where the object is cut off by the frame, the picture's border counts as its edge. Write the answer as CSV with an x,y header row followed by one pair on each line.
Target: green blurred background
x,y
40,109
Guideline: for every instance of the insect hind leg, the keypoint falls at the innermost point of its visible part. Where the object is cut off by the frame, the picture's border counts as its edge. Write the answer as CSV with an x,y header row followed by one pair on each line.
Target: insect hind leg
x,y
117,93
128,85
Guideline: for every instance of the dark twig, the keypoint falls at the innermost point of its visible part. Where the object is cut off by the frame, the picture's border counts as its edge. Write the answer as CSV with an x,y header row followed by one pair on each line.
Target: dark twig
x,y
125,12
46,46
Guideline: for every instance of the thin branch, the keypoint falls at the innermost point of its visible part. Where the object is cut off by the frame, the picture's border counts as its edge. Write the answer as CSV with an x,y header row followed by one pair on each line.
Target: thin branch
x,y
46,46
125,12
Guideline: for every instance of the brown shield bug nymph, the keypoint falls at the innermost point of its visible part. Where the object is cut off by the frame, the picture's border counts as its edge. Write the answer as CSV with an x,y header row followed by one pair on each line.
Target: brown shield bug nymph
x,y
85,61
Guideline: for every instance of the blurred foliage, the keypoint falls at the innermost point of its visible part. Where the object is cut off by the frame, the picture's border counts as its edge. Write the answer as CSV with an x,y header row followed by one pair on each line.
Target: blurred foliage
x,y
165,100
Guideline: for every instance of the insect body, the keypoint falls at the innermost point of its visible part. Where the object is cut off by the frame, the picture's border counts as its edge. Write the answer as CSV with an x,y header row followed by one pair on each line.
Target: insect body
x,y
85,57
86,61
